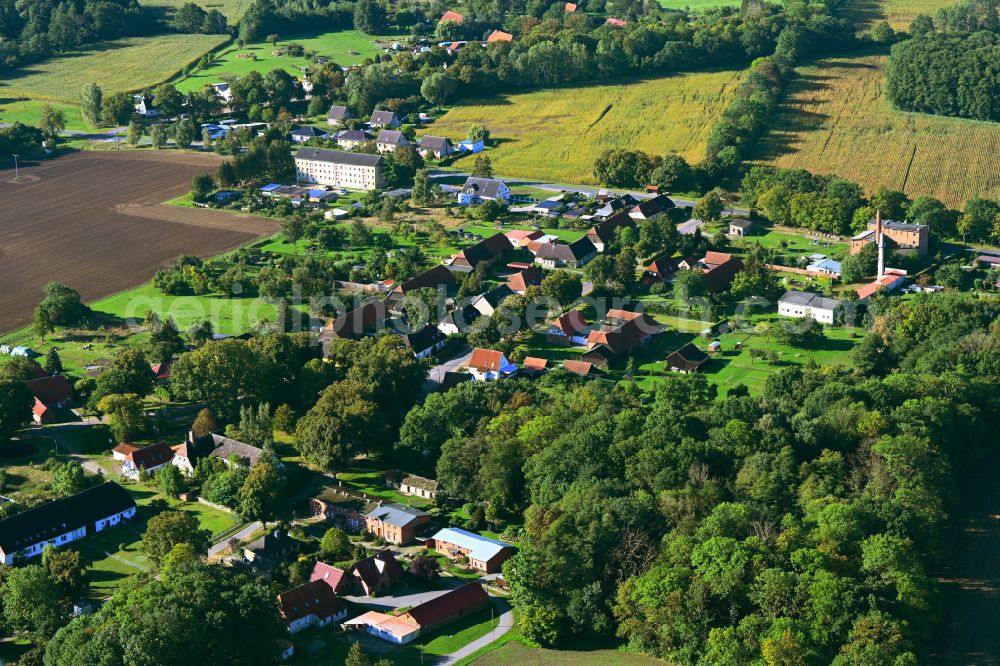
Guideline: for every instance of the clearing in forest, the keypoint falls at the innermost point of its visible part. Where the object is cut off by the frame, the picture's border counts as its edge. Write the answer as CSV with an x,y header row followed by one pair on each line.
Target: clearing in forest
x,y
554,135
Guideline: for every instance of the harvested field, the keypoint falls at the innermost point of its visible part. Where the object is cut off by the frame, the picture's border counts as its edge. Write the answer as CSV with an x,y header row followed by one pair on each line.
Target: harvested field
x,y
899,13
836,120
555,135
94,221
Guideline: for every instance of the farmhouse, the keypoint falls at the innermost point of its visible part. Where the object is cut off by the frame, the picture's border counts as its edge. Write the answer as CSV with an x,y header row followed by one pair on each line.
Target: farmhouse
x,y
313,604
336,116
342,507
411,484
428,616
521,237
339,580
801,304
582,368
719,268
458,320
483,554
376,574
489,302
396,523
336,168
388,141
449,15
566,329
489,364
660,268
425,341
385,119
51,394
603,233
229,450
614,205
487,252
574,255
477,190
64,520
520,281
687,359
438,277
356,324
149,458
499,36
438,147
900,237
651,209
622,332
532,366
387,627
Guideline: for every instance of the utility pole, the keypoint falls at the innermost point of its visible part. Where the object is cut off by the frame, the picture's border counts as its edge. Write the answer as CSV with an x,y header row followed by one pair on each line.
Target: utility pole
x,y
16,174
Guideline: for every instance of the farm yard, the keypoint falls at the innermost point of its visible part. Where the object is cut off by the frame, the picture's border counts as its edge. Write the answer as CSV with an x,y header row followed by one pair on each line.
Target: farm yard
x,y
94,222
554,135
348,47
836,120
123,65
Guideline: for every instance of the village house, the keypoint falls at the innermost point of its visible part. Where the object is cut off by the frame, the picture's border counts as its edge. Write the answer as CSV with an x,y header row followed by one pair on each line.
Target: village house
x,y
574,255
143,105
424,618
622,332
487,252
520,282
336,168
388,141
51,394
489,302
521,237
396,523
338,115
375,574
313,604
449,15
687,359
603,233
651,209
499,36
483,554
339,580
265,553
231,451
612,205
64,520
477,190
149,458
719,268
532,366
342,507
489,364
825,267
425,341
384,119
739,227
458,320
438,277
800,304
900,237
566,329
582,368
223,92
362,321
304,134
438,147
660,268
349,139
411,484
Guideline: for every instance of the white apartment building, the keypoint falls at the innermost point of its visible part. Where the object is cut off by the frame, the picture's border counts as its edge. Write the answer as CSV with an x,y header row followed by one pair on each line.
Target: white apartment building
x,y
336,168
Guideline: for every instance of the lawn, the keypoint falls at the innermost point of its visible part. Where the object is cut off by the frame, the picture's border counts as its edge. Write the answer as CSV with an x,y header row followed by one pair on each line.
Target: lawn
x,y
554,135
347,47
567,235
232,9
372,482
836,120
129,64
29,112
515,653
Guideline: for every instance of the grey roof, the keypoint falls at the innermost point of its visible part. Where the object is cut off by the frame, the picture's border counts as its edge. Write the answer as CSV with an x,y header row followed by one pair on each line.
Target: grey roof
x,y
396,515
483,187
574,251
351,135
392,137
494,296
308,130
807,298
382,117
741,223
339,157
338,113
434,143
480,548
225,447
901,226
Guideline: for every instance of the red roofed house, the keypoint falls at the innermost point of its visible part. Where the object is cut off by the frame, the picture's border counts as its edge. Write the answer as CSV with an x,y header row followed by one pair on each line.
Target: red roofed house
x,y
616,22
51,394
488,364
521,237
162,372
150,458
579,367
376,574
486,251
451,16
891,279
660,268
499,36
532,365
570,7
312,604
338,579
720,268
529,277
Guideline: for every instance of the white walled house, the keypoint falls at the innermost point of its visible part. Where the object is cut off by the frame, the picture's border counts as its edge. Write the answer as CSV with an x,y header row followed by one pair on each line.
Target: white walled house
x,y
151,458
336,168
801,304
64,520
311,605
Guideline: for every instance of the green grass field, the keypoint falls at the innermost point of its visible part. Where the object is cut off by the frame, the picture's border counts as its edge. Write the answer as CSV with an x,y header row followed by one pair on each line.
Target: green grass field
x,y
232,9
836,120
515,653
348,47
554,135
127,64
29,111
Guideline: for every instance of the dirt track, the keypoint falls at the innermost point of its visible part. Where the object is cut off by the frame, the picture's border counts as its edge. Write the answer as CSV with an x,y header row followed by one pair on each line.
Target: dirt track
x,y
95,221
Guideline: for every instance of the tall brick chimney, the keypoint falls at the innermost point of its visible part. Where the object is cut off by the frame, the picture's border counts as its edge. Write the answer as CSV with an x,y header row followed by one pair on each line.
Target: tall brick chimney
x,y
880,239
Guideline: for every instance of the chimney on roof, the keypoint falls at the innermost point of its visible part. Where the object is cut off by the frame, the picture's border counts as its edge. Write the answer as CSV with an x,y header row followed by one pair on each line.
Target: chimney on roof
x,y
190,439
880,239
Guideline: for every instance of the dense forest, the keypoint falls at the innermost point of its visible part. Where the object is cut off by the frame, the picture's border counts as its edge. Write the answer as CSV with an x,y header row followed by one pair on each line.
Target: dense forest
x,y
951,65
794,527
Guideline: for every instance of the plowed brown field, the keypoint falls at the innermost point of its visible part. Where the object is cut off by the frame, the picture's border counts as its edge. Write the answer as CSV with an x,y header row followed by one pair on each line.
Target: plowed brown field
x,y
95,222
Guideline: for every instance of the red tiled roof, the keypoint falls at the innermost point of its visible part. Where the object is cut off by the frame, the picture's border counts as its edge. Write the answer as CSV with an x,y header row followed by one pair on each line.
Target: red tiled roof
x,y
618,22
451,16
126,449
500,36
579,367
486,359
313,598
330,575
716,258
570,7
535,363
571,323
529,277
448,605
